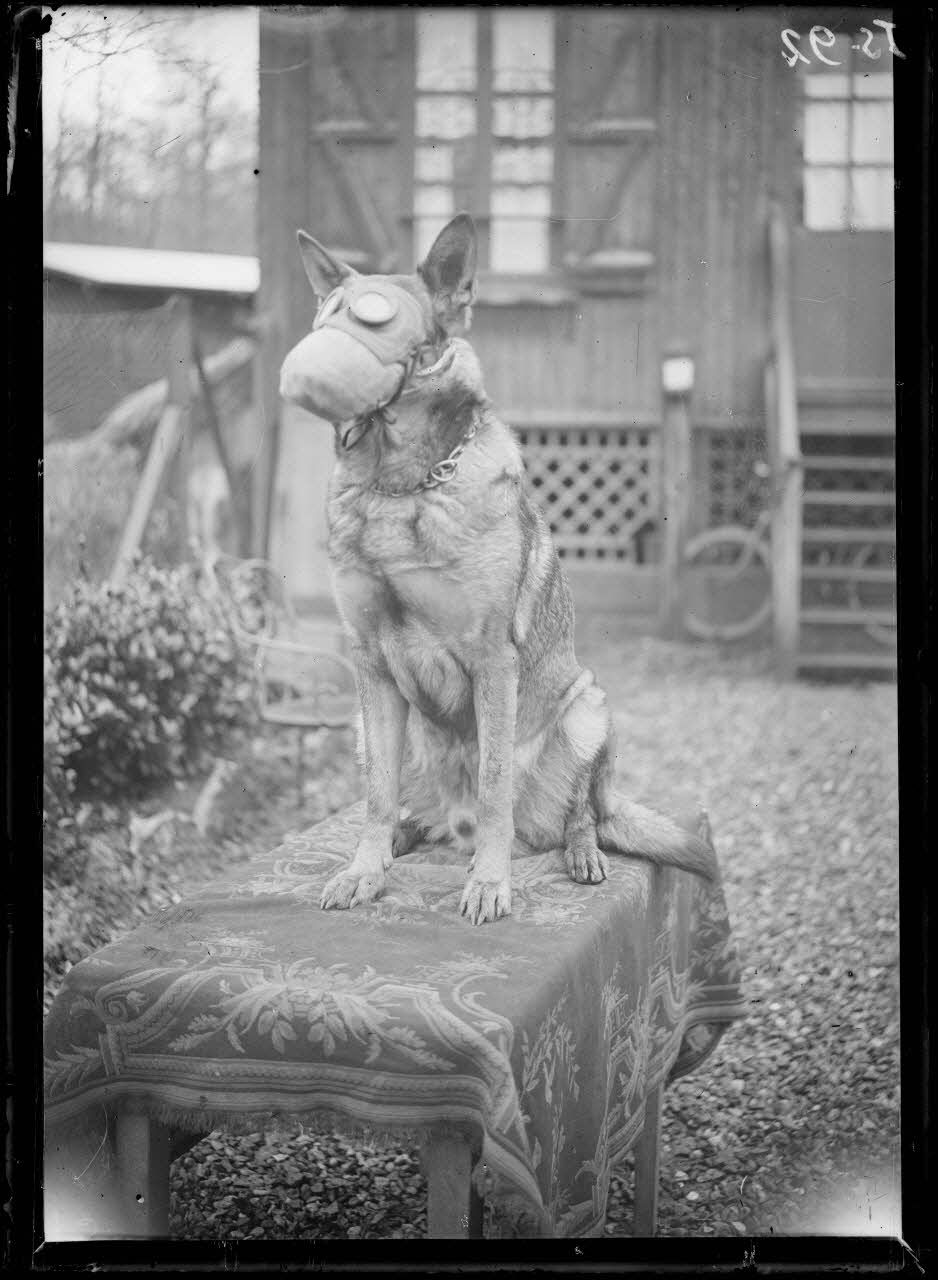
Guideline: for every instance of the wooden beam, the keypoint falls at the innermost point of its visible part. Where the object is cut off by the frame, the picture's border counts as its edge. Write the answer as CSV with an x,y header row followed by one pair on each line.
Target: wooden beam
x,y
647,1149
454,1209
676,498
140,410
240,499
785,451
284,205
143,1147
179,392
163,447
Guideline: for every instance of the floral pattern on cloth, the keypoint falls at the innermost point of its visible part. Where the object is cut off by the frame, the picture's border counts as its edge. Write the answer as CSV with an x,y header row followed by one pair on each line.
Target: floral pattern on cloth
x,y
538,1036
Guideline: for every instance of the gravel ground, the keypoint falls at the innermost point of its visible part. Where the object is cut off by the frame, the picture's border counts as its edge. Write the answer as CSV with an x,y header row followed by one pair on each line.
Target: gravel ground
x,y
793,1125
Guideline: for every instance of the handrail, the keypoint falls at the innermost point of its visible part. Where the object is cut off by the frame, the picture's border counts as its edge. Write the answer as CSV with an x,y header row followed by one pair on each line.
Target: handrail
x,y
781,394
782,337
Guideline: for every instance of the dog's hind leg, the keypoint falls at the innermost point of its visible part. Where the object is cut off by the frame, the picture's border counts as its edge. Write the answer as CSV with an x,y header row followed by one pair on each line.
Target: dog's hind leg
x,y
585,861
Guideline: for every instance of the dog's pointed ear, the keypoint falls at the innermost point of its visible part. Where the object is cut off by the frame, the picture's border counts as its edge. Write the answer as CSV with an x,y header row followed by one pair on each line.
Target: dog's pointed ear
x,y
449,271
323,271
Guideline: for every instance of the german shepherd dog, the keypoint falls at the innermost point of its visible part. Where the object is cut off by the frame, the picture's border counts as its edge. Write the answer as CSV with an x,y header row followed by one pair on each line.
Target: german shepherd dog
x,y
478,723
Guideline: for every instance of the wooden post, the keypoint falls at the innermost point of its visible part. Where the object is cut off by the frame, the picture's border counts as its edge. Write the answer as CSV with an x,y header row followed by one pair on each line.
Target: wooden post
x,y
238,496
143,1147
454,1208
179,372
168,443
645,1214
785,451
676,464
163,446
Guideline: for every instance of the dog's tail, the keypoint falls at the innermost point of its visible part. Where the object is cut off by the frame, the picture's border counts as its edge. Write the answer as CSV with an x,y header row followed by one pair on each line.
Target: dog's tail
x,y
631,828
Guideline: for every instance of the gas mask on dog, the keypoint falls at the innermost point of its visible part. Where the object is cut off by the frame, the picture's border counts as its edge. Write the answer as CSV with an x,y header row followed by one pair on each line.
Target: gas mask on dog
x,y
380,315
369,336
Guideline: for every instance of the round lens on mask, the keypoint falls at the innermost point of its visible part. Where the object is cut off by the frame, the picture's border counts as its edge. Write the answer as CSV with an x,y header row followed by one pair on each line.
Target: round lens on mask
x,y
328,308
373,308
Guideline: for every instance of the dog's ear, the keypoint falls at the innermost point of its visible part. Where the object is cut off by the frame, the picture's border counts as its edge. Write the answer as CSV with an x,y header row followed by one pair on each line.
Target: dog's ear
x,y
323,271
449,272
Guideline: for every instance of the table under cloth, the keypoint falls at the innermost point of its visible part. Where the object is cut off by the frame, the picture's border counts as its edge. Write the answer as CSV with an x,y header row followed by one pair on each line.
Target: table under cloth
x,y
539,1035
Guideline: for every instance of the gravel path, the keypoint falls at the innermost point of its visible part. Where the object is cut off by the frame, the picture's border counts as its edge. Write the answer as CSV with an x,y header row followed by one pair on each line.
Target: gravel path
x,y
792,1126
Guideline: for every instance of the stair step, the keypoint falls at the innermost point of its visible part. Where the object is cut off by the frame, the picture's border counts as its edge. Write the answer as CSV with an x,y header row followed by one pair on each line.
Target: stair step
x,y
852,422
822,616
846,392
845,573
841,536
847,661
847,498
840,462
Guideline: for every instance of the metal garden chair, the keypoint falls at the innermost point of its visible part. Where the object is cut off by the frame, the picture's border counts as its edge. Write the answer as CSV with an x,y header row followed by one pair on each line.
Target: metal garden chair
x,y
302,678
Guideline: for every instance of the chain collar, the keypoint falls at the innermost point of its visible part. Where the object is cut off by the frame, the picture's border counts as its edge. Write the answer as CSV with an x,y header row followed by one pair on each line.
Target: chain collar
x,y
438,474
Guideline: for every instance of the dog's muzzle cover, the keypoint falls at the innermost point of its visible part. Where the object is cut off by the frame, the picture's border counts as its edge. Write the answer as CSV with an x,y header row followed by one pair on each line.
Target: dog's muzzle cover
x,y
364,333
386,319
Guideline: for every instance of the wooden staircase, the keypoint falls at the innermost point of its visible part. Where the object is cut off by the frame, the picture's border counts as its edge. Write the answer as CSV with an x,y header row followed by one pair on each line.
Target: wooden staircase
x,y
847,616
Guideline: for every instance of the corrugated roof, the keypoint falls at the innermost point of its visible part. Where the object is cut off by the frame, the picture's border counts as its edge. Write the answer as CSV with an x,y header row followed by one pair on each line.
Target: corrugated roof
x,y
154,268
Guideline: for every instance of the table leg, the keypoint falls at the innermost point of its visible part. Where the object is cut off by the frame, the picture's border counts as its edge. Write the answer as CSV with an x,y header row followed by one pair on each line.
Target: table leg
x,y
454,1208
645,1217
143,1173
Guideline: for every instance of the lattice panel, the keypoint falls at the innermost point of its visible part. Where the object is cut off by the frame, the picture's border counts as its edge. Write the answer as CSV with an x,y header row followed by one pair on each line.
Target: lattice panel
x,y
598,488
734,491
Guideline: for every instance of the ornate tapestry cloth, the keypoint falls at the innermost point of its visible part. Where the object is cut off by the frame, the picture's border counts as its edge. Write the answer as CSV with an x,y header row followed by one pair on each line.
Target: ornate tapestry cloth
x,y
538,1036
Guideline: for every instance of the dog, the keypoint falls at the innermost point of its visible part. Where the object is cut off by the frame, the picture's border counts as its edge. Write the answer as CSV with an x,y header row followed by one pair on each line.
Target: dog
x,y
478,723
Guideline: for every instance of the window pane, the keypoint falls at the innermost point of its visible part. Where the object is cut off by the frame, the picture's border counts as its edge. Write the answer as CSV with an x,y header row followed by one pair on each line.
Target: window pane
x,y
434,164
825,132
521,245
522,164
873,84
872,198
445,117
446,49
520,201
438,200
825,199
426,231
872,132
523,117
833,85
523,49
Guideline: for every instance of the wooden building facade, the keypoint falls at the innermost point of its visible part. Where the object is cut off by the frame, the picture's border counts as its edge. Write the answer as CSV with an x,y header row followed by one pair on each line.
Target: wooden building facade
x,y
621,164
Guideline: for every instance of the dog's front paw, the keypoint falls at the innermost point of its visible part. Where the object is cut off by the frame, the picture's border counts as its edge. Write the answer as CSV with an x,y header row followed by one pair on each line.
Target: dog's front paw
x,y
585,862
485,900
349,887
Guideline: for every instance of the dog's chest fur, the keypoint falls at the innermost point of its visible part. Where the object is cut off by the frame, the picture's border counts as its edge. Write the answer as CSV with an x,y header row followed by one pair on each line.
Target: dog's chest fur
x,y
420,580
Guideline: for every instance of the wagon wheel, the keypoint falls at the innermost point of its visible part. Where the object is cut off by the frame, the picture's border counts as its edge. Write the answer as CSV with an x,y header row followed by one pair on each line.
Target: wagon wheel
x,y
872,556
729,551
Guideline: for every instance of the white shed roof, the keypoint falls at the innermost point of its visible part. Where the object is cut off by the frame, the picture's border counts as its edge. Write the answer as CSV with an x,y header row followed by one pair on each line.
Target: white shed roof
x,y
154,268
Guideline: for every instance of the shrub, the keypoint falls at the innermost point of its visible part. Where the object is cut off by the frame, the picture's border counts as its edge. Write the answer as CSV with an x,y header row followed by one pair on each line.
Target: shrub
x,y
142,679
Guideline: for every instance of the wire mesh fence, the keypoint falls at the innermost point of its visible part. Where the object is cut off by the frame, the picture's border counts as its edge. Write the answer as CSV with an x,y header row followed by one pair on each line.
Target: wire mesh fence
x,y
105,367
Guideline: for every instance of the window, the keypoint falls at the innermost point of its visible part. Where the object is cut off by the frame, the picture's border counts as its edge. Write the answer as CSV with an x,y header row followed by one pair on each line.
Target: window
x,y
847,138
485,130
